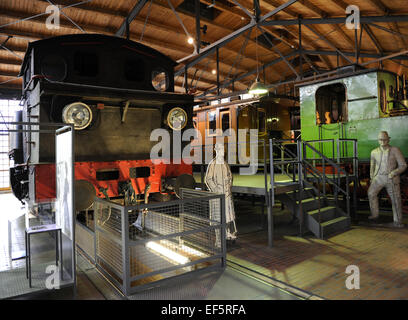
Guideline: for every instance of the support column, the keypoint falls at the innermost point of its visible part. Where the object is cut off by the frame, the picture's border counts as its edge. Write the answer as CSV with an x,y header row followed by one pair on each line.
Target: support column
x,y
198,27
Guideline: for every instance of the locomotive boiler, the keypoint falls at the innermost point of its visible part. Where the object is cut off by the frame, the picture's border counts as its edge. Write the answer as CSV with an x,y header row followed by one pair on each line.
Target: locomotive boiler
x,y
115,92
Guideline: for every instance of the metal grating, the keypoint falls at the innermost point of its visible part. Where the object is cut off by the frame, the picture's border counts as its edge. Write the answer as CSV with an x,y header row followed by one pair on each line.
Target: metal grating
x,y
140,245
84,239
109,239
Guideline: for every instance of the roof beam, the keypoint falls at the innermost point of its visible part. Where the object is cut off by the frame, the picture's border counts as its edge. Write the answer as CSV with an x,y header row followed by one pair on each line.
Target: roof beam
x,y
379,6
225,8
391,56
329,43
105,30
132,14
250,15
221,42
362,54
281,55
344,35
313,8
340,4
276,10
338,20
158,25
146,40
373,39
239,13
266,65
305,39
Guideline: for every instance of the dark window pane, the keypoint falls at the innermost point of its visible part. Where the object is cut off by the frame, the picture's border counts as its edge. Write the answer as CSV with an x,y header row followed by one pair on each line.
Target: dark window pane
x,y
212,120
134,70
86,64
261,121
383,97
225,121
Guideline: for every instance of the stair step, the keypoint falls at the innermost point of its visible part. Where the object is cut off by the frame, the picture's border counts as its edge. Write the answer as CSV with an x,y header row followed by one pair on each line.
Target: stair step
x,y
306,200
326,213
307,193
339,224
311,203
295,191
322,210
336,220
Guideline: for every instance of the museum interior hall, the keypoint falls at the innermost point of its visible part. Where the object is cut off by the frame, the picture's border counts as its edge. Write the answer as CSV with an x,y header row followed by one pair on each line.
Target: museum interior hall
x,y
203,150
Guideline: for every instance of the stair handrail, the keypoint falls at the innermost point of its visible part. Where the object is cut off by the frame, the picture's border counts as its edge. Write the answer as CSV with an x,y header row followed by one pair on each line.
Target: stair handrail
x,y
323,141
354,155
325,178
295,159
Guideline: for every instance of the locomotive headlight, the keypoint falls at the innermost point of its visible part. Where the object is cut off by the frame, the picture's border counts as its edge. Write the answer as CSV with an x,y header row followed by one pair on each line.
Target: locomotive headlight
x,y
78,114
177,118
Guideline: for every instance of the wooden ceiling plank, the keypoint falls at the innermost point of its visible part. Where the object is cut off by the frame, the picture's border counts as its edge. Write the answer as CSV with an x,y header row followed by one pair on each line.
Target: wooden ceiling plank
x,y
102,30
305,40
339,4
379,6
373,39
154,25
129,18
344,35
316,10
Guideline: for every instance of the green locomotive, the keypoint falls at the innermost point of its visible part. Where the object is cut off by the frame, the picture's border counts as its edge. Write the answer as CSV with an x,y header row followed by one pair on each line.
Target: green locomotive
x,y
358,107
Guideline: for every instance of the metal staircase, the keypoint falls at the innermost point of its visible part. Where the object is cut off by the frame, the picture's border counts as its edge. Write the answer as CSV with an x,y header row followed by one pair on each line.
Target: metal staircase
x,y
320,217
315,209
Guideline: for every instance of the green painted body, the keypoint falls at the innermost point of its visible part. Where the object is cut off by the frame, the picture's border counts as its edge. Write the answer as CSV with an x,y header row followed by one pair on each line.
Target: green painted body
x,y
365,118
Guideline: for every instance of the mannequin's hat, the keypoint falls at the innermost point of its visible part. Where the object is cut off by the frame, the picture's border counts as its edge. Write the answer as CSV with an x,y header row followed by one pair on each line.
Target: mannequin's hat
x,y
383,135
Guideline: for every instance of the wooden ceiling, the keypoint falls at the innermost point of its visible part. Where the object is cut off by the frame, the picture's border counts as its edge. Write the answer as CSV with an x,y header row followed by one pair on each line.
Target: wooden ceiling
x,y
324,46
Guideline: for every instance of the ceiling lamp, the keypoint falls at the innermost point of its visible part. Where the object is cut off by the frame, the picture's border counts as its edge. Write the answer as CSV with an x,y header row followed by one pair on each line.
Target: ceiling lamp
x,y
257,87
190,40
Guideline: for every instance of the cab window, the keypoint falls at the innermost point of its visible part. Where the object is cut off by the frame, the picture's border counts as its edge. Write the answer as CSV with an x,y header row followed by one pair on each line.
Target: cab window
x,y
331,105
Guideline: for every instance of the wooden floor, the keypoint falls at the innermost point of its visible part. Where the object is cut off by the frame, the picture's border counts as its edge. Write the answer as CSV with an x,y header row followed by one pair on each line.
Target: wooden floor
x,y
319,266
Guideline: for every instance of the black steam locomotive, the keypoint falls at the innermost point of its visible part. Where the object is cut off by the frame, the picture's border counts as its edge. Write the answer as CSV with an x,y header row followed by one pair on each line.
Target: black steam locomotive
x,y
115,92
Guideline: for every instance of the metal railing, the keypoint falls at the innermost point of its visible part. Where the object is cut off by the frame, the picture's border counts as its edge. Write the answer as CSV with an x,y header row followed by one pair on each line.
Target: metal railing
x,y
139,245
287,159
299,160
308,167
322,177
339,150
